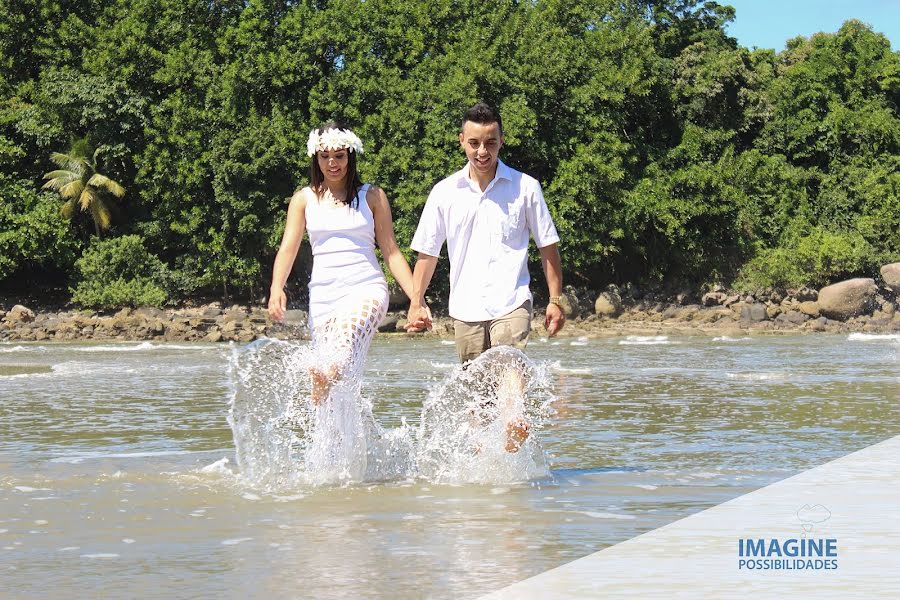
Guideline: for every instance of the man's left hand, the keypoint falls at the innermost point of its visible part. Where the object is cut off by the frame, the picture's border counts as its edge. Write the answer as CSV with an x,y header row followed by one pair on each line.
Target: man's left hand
x,y
554,320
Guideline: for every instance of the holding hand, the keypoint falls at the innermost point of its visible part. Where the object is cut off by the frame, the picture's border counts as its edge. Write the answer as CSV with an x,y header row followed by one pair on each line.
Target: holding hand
x,y
418,318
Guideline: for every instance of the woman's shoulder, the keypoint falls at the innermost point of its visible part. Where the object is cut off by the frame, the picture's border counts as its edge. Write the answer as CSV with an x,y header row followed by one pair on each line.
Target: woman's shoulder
x,y
303,196
376,198
374,193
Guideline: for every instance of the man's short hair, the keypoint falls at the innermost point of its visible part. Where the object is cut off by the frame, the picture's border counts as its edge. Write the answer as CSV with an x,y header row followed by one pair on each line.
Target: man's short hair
x,y
484,114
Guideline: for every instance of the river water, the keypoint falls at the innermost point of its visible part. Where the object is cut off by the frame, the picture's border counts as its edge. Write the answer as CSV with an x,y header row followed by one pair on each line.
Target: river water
x,y
118,474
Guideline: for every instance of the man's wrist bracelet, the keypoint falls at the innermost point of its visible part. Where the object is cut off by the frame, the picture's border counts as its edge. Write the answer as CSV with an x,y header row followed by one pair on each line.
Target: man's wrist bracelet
x,y
555,300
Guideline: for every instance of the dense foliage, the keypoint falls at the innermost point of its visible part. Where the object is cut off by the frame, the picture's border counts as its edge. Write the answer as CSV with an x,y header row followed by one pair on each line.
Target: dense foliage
x,y
667,152
120,272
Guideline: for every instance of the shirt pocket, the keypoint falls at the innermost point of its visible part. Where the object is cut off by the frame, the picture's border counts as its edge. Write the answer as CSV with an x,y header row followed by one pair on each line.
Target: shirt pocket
x,y
512,224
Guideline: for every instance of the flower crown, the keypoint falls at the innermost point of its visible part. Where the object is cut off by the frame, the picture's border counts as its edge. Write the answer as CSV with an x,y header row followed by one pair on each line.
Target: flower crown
x,y
332,139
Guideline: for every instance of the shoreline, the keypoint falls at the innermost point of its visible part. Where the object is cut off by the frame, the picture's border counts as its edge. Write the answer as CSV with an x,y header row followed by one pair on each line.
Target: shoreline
x,y
243,324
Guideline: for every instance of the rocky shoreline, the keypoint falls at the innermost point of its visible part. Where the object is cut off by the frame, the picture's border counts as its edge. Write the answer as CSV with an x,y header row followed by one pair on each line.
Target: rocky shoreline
x,y
856,305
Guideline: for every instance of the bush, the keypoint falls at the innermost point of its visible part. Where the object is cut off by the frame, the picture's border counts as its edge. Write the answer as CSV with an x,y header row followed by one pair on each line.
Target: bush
x,y
817,258
121,272
32,232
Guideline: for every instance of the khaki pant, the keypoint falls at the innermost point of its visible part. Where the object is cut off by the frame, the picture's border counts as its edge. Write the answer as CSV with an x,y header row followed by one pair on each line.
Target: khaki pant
x,y
473,338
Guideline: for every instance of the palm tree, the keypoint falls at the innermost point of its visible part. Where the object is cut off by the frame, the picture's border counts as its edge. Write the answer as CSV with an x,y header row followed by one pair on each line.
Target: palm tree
x,y
81,186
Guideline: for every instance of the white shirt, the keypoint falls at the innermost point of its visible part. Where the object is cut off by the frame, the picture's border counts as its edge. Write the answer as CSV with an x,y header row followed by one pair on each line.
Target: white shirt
x,y
487,237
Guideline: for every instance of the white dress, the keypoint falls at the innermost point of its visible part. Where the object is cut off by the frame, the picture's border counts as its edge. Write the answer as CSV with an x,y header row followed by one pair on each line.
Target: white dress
x,y
348,295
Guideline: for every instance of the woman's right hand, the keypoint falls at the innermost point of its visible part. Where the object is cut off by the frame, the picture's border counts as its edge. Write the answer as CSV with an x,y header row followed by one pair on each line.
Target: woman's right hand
x,y
277,304
418,318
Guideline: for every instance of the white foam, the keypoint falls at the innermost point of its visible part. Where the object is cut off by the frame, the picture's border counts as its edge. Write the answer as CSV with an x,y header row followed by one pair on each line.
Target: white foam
x,y
236,541
646,486
871,337
220,467
646,340
758,376
141,347
441,365
20,348
574,371
603,515
728,338
100,555
91,455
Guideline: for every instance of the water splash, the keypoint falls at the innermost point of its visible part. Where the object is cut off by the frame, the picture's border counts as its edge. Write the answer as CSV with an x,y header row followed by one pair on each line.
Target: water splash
x,y
464,432
284,441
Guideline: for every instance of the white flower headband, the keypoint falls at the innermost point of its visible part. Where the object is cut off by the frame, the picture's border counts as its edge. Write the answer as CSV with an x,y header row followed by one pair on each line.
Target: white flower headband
x,y
332,139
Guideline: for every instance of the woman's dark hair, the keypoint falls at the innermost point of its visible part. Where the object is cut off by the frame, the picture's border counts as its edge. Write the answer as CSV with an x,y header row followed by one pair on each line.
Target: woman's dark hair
x,y
483,114
317,178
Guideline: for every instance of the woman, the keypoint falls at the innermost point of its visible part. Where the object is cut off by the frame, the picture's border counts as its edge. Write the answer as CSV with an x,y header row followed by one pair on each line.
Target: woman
x,y
348,295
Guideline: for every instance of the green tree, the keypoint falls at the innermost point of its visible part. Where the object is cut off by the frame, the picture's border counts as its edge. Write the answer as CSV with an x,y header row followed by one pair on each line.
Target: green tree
x,y
81,186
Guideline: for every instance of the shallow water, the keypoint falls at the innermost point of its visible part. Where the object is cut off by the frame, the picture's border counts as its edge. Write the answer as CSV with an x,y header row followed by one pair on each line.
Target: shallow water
x,y
118,476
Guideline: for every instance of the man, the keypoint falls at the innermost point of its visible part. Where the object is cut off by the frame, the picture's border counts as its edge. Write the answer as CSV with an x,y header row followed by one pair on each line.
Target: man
x,y
485,212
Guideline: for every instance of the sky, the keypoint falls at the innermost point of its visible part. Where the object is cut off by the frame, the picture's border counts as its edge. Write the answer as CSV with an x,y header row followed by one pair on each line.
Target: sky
x,y
770,23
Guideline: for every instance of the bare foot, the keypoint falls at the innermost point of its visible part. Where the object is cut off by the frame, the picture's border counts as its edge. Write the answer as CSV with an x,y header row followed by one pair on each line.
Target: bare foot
x,y
320,386
516,434
321,383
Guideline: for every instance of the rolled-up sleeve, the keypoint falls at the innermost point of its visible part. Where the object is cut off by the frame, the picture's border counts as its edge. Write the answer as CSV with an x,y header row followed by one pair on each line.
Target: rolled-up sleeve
x,y
431,232
540,223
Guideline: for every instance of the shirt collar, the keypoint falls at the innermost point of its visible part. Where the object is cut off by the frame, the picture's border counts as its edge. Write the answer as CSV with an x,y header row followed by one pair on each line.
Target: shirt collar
x,y
503,172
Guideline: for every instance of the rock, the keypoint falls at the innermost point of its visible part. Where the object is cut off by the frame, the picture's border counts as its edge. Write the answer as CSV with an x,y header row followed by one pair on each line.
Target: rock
x,y
295,317
754,313
568,302
713,299
792,317
847,298
211,311
671,312
805,294
20,314
151,312
684,297
729,300
234,315
608,304
891,276
809,308
389,324
773,311
817,324
213,336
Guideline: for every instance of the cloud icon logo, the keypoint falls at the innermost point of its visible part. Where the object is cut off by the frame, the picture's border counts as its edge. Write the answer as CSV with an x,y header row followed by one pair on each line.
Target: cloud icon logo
x,y
811,515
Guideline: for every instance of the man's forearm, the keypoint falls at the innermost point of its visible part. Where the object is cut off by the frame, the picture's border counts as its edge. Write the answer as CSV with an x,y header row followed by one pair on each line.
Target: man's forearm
x,y
552,264
422,274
